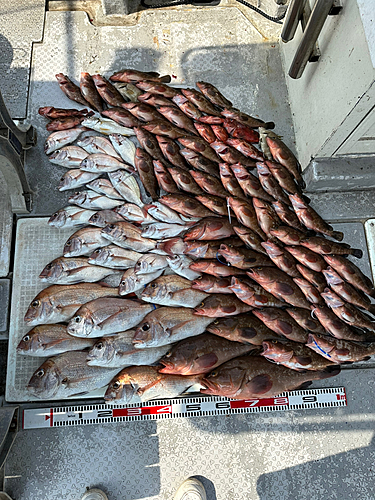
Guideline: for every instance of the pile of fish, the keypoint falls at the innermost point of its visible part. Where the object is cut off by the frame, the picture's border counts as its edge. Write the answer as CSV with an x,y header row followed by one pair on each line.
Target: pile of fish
x,y
199,259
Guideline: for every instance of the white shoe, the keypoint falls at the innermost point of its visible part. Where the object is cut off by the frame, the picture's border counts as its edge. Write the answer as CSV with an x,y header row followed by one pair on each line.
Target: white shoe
x,y
191,489
94,494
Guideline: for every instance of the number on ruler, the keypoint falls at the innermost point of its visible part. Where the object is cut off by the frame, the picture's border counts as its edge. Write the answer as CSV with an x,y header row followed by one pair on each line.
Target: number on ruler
x,y
134,411
165,409
309,399
280,401
222,405
104,413
252,402
193,407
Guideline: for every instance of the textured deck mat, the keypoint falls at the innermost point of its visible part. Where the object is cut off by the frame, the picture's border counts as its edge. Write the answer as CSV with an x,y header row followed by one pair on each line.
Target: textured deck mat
x,y
37,243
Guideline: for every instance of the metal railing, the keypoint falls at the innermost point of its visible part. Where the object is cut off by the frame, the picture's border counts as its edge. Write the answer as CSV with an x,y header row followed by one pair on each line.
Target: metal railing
x,y
312,22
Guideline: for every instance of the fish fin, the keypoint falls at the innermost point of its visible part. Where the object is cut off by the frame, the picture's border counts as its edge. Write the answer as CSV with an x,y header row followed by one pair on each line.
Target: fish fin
x,y
142,390
269,125
303,386
366,358
259,384
329,371
284,289
337,235
303,360
165,79
357,252
153,73
207,360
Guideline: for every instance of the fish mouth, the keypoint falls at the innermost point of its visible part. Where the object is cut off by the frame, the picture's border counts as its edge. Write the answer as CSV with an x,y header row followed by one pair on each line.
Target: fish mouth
x,y
208,387
168,367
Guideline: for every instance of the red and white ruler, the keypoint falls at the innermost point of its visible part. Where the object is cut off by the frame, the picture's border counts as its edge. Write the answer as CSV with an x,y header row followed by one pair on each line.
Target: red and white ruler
x,y
180,407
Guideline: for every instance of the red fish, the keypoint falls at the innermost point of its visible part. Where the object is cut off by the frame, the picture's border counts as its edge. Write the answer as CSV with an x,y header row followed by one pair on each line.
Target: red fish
x,y
211,120
220,132
229,181
53,113
154,100
164,178
335,326
200,146
200,101
199,162
347,291
308,258
304,319
245,119
283,177
351,273
254,295
287,216
250,238
214,267
149,143
249,183
340,351
293,355
186,107
246,215
316,279
266,216
171,152
249,377
311,219
134,76
246,148
121,116
221,305
231,155
216,204
282,154
107,91
142,111
282,258
288,235
64,123
212,284
210,228
245,328
184,180
144,165
280,285
239,131
162,127
157,88
270,185
71,90
214,95
178,118
309,291
281,323
205,131
324,246
189,207
209,183
243,258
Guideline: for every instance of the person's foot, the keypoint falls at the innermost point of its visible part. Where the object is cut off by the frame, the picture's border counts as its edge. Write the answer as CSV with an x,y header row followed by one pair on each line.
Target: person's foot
x,y
191,489
94,494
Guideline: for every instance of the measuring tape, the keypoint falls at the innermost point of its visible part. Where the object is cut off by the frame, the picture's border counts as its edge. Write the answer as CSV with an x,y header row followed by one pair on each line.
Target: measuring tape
x,y
180,407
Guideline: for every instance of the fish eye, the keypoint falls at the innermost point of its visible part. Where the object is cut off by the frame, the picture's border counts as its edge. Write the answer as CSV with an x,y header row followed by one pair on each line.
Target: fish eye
x,y
35,303
116,385
199,278
99,345
274,341
26,338
201,304
145,327
64,380
169,354
56,213
215,373
77,319
216,322
98,250
68,243
40,373
123,283
153,285
48,266
111,226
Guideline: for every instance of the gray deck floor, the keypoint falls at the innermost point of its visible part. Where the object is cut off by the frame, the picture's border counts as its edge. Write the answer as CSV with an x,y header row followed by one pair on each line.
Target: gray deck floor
x,y
320,454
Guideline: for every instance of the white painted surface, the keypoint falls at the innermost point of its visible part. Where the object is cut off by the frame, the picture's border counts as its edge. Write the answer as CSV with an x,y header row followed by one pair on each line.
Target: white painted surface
x,y
367,12
330,89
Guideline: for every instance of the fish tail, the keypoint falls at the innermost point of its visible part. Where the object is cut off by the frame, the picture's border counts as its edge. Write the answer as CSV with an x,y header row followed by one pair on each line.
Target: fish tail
x,y
165,78
269,125
356,252
337,235
329,371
